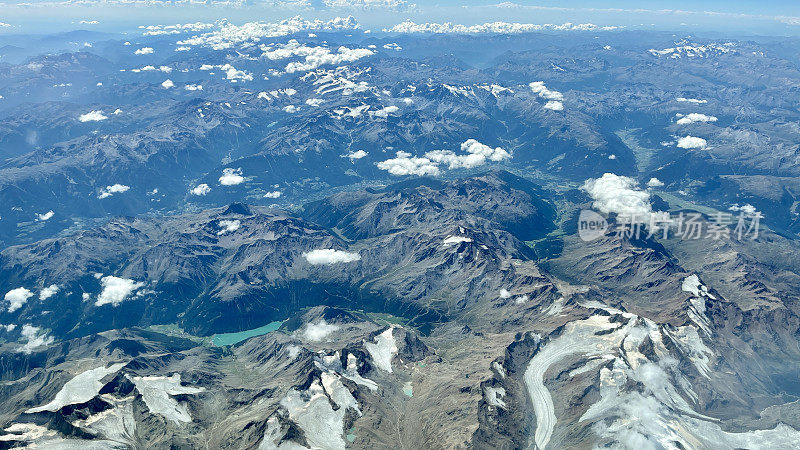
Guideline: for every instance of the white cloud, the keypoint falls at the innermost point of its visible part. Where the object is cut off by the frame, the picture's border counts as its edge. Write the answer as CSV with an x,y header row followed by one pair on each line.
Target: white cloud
x,y
144,51
493,27
554,105
358,154
35,338
200,189
747,209
504,293
17,297
319,330
48,292
116,290
46,216
314,102
272,194
343,55
330,256
92,116
313,57
691,142
114,189
228,226
167,84
618,194
228,35
693,118
696,101
182,48
193,87
477,154
231,177
655,182
291,108
405,164
385,111
232,73
539,88
363,5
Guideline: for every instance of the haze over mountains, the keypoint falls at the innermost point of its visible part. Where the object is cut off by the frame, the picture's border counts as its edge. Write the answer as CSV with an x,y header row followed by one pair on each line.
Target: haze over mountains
x,y
384,226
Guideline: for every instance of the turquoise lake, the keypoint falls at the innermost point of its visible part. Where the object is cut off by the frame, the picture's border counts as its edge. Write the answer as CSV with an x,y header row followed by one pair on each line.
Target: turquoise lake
x,y
234,338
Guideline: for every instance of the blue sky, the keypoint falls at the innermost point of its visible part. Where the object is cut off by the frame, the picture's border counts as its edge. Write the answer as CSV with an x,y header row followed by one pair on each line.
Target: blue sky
x,y
772,17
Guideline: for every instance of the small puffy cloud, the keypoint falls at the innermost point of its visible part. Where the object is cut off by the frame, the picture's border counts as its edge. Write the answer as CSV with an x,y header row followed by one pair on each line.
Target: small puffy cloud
x,y
200,189
319,330
504,293
358,154
405,164
314,102
46,216
747,209
618,194
314,57
538,87
554,105
17,297
228,226
696,101
144,51
330,256
693,118
272,194
385,111
35,338
364,5
48,292
116,290
655,182
231,177
291,108
167,84
182,48
689,142
114,189
455,161
408,101
232,73
612,156
92,116
476,155
193,87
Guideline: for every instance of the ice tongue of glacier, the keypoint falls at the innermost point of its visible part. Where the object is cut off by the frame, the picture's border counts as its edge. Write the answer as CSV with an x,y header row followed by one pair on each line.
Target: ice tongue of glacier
x,y
80,389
